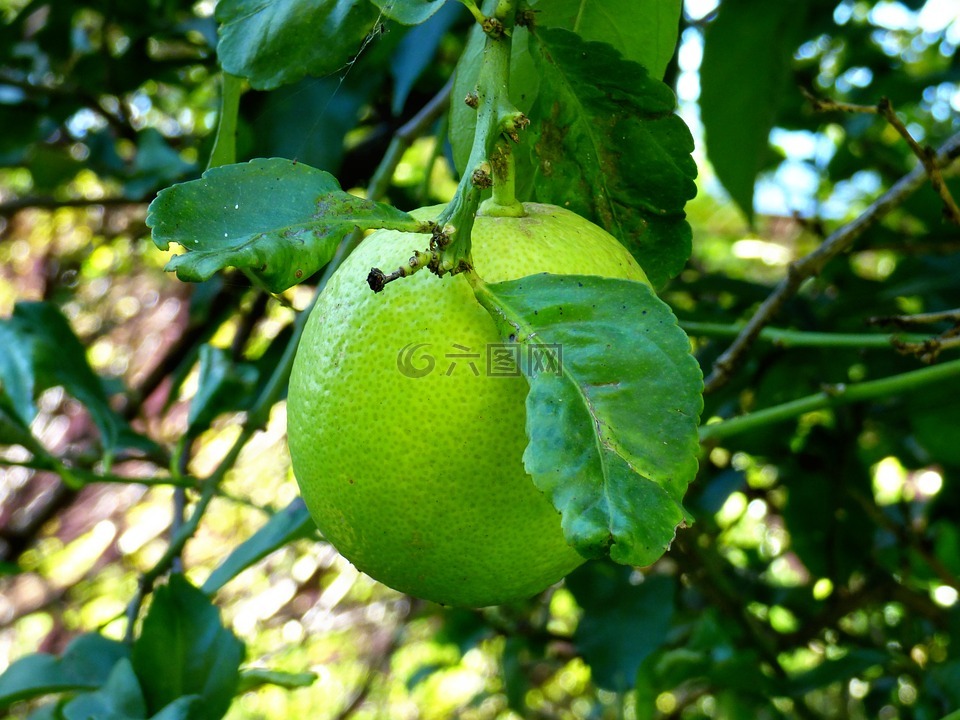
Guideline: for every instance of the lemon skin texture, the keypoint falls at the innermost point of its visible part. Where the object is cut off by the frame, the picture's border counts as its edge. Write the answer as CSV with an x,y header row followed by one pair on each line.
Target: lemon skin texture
x,y
419,481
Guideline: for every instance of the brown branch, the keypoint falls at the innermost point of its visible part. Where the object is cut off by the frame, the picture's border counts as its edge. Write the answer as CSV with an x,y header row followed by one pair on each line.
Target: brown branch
x,y
929,349
810,265
927,156
820,104
917,319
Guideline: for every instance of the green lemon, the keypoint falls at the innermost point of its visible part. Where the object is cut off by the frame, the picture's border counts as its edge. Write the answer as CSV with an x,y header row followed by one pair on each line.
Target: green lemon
x,y
407,438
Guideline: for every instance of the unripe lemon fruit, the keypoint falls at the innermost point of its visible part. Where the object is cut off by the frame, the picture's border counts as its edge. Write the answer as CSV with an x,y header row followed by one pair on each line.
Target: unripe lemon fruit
x,y
414,472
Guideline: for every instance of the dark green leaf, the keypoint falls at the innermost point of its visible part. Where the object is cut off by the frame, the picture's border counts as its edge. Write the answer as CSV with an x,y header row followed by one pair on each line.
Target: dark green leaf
x,y
42,352
936,424
644,31
516,681
830,529
745,72
409,12
608,146
290,524
120,698
14,429
225,145
279,219
253,678
223,386
156,164
612,422
51,166
183,649
85,665
623,621
944,679
275,43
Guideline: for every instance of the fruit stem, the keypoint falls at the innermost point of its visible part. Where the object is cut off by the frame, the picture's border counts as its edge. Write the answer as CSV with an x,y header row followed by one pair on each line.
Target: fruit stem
x,y
496,118
490,163
504,202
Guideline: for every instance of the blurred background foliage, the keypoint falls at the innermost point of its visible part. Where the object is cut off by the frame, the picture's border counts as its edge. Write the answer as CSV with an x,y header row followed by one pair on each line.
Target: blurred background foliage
x,y
821,577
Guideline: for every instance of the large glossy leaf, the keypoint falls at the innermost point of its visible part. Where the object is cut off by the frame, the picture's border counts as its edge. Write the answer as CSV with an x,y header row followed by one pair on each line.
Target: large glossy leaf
x,y
745,71
40,352
85,665
279,219
275,43
612,417
184,649
644,31
608,146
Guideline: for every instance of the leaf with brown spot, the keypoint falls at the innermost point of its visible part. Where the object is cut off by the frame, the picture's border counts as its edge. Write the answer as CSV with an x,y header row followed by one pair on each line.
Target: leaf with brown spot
x,y
607,145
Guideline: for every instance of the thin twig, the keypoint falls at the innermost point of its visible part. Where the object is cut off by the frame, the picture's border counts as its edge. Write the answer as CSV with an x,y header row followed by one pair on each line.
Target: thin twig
x,y
798,271
820,104
927,156
917,318
929,350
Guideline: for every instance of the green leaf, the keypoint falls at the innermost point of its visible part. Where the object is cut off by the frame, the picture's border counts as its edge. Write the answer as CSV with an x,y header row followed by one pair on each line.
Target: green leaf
x,y
253,678
936,424
290,524
644,31
612,423
608,146
120,698
41,352
409,12
156,164
745,71
223,385
275,43
183,649
225,144
623,621
279,219
85,665
183,708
